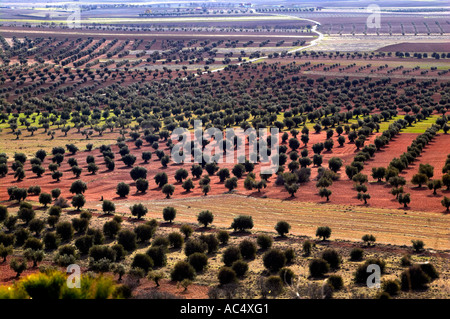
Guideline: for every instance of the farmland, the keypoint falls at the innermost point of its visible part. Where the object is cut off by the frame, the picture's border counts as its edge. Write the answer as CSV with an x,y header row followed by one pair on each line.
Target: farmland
x,y
88,176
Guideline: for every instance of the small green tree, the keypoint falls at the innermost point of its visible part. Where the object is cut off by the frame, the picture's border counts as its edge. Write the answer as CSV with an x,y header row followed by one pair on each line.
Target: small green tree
x,y
324,232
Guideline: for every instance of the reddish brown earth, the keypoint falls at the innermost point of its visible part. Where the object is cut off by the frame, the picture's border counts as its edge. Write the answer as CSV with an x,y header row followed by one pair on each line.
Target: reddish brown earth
x,y
104,183
417,47
435,154
396,147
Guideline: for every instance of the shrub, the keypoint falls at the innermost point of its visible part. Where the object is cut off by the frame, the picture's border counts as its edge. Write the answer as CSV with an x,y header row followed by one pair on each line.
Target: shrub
x,y
248,249
182,270
65,230
26,214
127,239
138,210
307,246
289,253
99,252
242,223
205,218
194,246
226,276
80,225
97,234
336,282
223,237
3,213
405,261
274,260
108,207
158,255
122,189
211,241
84,243
318,267
417,245
169,214
324,232
144,232
230,255
36,225
369,239
51,241
199,261
264,241
186,230
240,267
78,187
282,228
274,285
18,266
414,278
78,201
33,243
356,254
287,275
168,190
392,287
176,239
143,262
332,257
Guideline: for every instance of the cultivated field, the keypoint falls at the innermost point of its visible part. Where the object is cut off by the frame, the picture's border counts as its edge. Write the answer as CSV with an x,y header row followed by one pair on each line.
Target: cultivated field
x,y
88,177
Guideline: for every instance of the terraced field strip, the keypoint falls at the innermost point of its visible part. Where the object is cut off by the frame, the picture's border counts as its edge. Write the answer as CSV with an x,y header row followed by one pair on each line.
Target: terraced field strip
x,y
389,226
435,154
396,147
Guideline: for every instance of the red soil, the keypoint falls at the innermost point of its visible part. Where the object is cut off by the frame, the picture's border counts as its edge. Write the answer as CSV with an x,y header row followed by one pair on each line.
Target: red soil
x,y
435,154
396,147
417,47
104,183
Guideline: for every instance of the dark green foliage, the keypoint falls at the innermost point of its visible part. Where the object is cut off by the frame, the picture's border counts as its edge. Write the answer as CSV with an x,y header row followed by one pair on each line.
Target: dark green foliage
x,y
226,275
158,255
274,260
182,270
242,223
332,258
248,249
194,246
282,228
318,267
127,239
230,255
264,241
143,262
144,232
199,261
240,267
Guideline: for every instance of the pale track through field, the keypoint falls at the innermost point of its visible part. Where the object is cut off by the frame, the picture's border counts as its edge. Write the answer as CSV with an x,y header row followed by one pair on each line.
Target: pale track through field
x,y
389,226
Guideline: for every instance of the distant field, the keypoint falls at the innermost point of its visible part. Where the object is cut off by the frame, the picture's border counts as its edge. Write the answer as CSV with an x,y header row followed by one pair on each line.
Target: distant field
x,y
418,47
